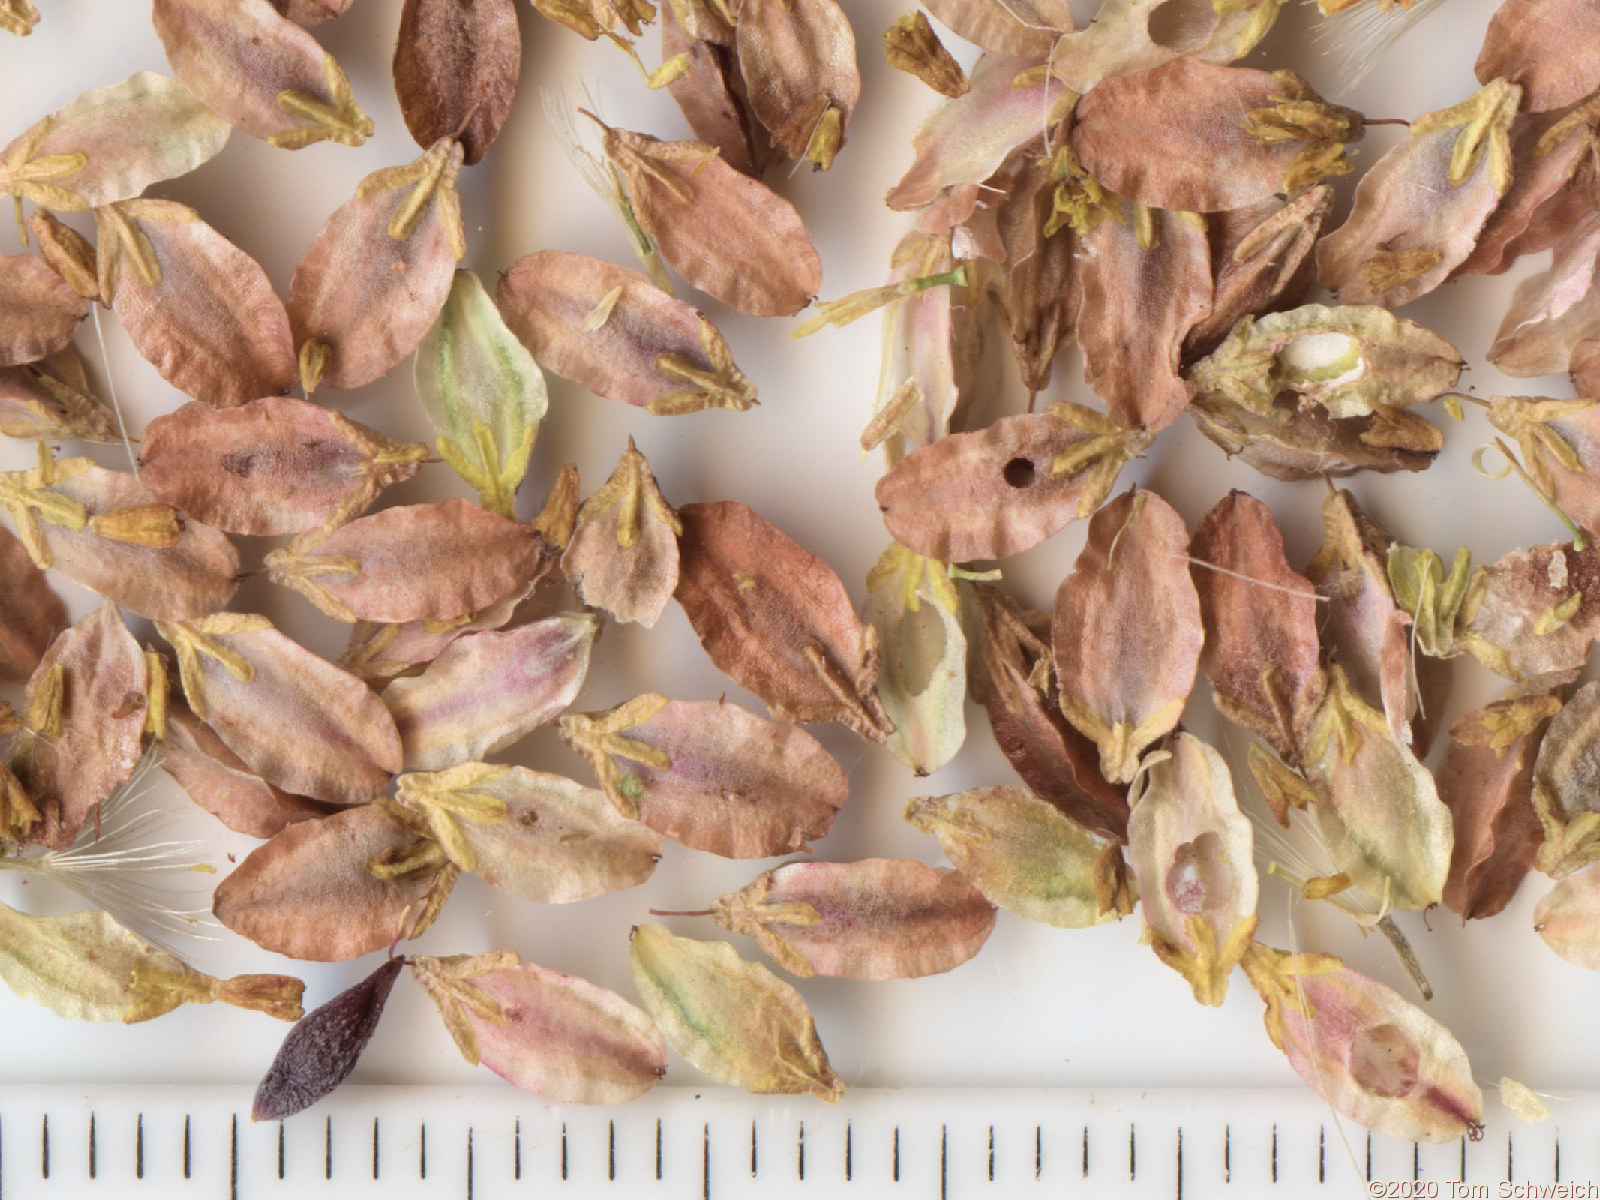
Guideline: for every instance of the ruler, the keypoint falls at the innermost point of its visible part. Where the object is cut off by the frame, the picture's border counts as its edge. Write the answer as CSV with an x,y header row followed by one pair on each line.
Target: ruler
x,y
922,1144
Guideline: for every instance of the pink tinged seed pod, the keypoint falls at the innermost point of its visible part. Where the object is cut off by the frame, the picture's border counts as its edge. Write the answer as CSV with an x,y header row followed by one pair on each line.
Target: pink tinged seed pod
x,y
532,834
262,72
311,892
619,335
32,615
431,562
1261,648
271,466
111,143
1560,445
198,308
489,690
105,530
1552,312
798,64
51,399
777,619
1190,847
623,554
967,139
84,723
1533,612
1545,48
1136,35
1014,681
712,776
880,918
998,492
1567,917
558,1036
1027,29
455,71
373,282
1486,780
218,780
295,719
1379,1060
1126,631
39,312
1418,210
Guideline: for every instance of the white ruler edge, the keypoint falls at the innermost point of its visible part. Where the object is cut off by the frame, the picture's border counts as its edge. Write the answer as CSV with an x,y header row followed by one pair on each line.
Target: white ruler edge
x,y
492,1142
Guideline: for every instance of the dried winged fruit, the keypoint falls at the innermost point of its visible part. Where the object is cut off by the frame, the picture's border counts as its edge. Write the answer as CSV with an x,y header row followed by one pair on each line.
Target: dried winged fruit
x,y
734,1020
297,720
321,1050
262,72
712,776
39,312
881,918
1486,780
1194,137
1039,291
1377,806
1261,651
1533,612
110,144
932,340
1126,631
1135,35
967,139
998,492
51,399
277,465
1021,852
619,335
914,606
433,562
84,723
1566,918
195,305
1144,285
537,836
1364,629
798,62
381,652
1551,157
489,690
1560,444
1418,210
373,282
335,889
218,780
777,620
1027,29
31,614
1289,442
86,967
911,45
1552,312
623,556
1545,48
483,394
1260,261
555,1035
710,91
1189,847
1378,1059
104,529
1349,361
725,233
1566,786
1015,681
455,70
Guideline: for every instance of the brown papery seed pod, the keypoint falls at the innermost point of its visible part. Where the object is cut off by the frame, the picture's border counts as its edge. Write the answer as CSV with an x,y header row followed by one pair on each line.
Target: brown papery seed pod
x,y
455,71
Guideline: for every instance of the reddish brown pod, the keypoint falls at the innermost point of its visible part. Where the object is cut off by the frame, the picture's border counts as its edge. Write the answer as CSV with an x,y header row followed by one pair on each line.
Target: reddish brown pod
x,y
455,71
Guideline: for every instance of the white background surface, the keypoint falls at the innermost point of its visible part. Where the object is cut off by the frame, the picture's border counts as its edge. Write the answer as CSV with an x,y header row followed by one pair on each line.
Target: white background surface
x,y
1039,1006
